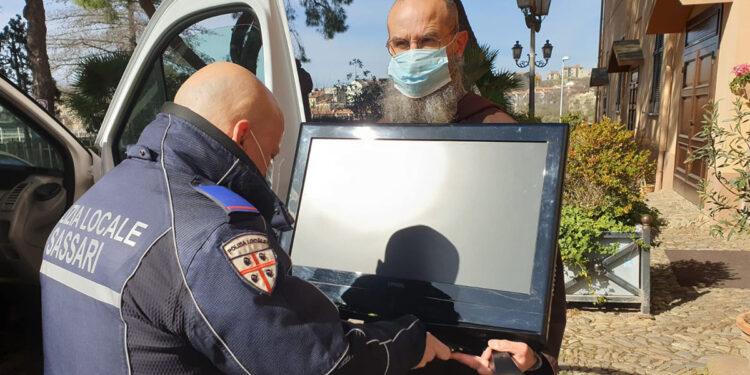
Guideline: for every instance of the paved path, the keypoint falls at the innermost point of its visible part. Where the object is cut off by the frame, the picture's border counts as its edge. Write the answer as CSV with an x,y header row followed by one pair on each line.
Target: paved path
x,y
688,228
689,325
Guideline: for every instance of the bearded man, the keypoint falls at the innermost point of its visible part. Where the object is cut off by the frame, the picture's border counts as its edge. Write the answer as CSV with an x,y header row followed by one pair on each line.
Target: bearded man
x,y
426,68
426,48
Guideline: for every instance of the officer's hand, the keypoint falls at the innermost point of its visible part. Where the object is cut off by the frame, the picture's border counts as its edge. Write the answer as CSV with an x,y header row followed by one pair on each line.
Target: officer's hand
x,y
521,354
433,348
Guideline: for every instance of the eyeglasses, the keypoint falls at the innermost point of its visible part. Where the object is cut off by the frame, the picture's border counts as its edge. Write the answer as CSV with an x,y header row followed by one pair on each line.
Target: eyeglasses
x,y
397,46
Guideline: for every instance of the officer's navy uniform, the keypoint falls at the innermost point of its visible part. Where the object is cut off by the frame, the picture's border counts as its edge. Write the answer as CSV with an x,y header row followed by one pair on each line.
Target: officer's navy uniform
x,y
170,265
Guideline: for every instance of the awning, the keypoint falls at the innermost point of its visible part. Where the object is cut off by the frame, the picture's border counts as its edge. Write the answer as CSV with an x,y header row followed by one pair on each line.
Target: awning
x,y
700,2
670,16
599,77
624,54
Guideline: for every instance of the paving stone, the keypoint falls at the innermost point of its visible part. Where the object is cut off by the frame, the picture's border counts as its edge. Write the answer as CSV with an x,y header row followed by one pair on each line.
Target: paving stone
x,y
690,326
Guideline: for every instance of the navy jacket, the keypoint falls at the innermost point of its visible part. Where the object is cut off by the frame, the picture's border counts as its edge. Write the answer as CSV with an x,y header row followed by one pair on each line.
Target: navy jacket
x,y
170,265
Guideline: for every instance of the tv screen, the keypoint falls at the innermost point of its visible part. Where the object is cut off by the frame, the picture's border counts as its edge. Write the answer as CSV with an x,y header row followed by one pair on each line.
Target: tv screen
x,y
423,210
456,224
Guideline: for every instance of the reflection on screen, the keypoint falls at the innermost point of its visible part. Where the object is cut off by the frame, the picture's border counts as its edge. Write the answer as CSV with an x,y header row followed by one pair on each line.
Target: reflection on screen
x,y
456,212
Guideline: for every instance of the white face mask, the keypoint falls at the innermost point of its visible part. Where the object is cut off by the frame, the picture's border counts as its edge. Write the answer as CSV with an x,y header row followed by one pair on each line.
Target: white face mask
x,y
269,165
269,173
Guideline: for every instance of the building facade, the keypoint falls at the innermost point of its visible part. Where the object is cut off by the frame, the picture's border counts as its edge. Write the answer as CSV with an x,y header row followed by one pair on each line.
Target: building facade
x,y
660,63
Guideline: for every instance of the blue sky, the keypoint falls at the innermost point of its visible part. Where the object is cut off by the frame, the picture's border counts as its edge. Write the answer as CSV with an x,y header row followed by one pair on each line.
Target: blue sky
x,y
572,27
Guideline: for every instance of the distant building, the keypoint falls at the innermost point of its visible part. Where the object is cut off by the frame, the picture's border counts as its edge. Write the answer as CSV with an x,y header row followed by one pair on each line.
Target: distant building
x,y
553,76
334,103
576,71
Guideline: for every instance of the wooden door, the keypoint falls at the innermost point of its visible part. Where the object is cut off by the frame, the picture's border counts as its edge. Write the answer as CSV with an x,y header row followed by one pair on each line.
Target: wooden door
x,y
698,73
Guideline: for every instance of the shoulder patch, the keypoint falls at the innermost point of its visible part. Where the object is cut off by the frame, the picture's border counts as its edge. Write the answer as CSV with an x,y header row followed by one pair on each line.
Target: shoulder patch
x,y
229,200
255,262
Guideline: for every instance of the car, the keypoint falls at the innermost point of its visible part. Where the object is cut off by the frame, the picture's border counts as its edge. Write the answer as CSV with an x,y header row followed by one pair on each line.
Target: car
x,y
36,189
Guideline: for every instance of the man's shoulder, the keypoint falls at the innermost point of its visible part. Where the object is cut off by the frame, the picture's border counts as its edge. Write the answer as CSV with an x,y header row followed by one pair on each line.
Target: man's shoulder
x,y
473,108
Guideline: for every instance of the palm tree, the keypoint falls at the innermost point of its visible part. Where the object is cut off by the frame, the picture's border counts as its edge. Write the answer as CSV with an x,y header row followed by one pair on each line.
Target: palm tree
x,y
479,71
96,79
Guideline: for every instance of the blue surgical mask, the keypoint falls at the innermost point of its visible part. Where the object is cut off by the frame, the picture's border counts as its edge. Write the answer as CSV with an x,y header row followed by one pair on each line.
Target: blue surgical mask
x,y
420,72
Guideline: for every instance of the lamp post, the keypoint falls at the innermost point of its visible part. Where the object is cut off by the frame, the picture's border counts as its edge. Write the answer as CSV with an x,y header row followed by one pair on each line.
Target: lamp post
x,y
533,11
562,82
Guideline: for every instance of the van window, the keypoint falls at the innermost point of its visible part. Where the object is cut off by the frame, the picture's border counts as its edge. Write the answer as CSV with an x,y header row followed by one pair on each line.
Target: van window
x,y
235,37
21,146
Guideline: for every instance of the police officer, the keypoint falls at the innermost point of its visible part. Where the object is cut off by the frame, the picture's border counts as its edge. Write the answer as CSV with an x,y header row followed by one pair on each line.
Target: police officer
x,y
169,264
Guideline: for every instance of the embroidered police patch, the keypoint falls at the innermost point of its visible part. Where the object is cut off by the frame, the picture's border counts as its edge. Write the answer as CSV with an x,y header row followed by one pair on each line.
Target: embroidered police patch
x,y
252,257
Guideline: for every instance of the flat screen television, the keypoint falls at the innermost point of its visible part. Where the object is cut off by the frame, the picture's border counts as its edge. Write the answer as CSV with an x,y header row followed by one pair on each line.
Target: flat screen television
x,y
456,224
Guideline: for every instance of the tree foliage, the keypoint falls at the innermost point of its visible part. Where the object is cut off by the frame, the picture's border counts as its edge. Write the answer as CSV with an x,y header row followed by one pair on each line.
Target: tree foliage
x,y
14,55
727,155
96,79
479,71
327,16
367,103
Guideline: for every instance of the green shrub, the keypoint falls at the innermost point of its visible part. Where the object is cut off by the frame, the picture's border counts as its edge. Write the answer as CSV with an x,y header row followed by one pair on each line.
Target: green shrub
x,y
601,192
574,119
579,231
604,168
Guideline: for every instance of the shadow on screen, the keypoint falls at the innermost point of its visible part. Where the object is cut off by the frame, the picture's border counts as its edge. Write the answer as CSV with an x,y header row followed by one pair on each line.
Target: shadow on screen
x,y
420,253
414,258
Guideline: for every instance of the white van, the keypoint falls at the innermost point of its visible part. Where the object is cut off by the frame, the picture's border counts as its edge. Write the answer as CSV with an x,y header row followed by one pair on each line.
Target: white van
x,y
49,169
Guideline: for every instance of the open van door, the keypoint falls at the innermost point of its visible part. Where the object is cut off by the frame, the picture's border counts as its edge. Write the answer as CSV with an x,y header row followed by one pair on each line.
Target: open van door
x,y
182,37
43,170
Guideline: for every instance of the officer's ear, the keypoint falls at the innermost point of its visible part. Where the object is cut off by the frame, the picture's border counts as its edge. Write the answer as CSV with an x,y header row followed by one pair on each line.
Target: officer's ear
x,y
239,131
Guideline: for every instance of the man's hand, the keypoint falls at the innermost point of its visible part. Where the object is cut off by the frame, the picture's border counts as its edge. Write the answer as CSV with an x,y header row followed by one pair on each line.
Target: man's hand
x,y
433,348
522,356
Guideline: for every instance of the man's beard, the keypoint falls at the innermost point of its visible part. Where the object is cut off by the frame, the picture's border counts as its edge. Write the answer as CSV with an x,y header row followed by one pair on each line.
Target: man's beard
x,y
437,108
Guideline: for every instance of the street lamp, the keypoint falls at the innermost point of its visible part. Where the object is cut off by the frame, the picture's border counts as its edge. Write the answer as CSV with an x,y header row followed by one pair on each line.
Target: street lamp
x,y
533,11
562,82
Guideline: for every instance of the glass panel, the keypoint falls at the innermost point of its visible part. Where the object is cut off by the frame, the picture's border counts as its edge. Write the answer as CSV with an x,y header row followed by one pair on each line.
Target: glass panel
x,y
704,29
21,146
234,37
149,100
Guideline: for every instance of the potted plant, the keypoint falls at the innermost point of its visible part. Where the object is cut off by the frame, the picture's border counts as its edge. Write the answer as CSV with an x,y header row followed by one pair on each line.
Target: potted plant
x,y
603,242
740,85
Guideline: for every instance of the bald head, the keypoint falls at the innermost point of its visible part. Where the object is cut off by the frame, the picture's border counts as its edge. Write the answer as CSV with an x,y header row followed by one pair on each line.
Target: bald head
x,y
415,20
445,11
235,101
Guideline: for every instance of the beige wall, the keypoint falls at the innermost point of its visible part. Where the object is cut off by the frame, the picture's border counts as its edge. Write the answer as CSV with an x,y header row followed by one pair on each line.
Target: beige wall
x,y
630,19
734,49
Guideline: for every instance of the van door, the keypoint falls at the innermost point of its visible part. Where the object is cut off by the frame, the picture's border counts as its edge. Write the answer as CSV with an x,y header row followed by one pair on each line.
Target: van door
x,y
43,170
182,37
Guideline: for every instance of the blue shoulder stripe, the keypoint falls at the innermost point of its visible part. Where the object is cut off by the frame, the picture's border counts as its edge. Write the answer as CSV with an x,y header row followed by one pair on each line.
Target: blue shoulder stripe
x,y
228,199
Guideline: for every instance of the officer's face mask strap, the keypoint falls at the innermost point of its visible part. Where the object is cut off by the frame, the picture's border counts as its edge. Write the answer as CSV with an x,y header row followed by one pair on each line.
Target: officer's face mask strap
x,y
262,154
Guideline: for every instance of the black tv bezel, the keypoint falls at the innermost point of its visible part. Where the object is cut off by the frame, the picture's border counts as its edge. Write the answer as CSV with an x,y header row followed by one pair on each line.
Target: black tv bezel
x,y
529,318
